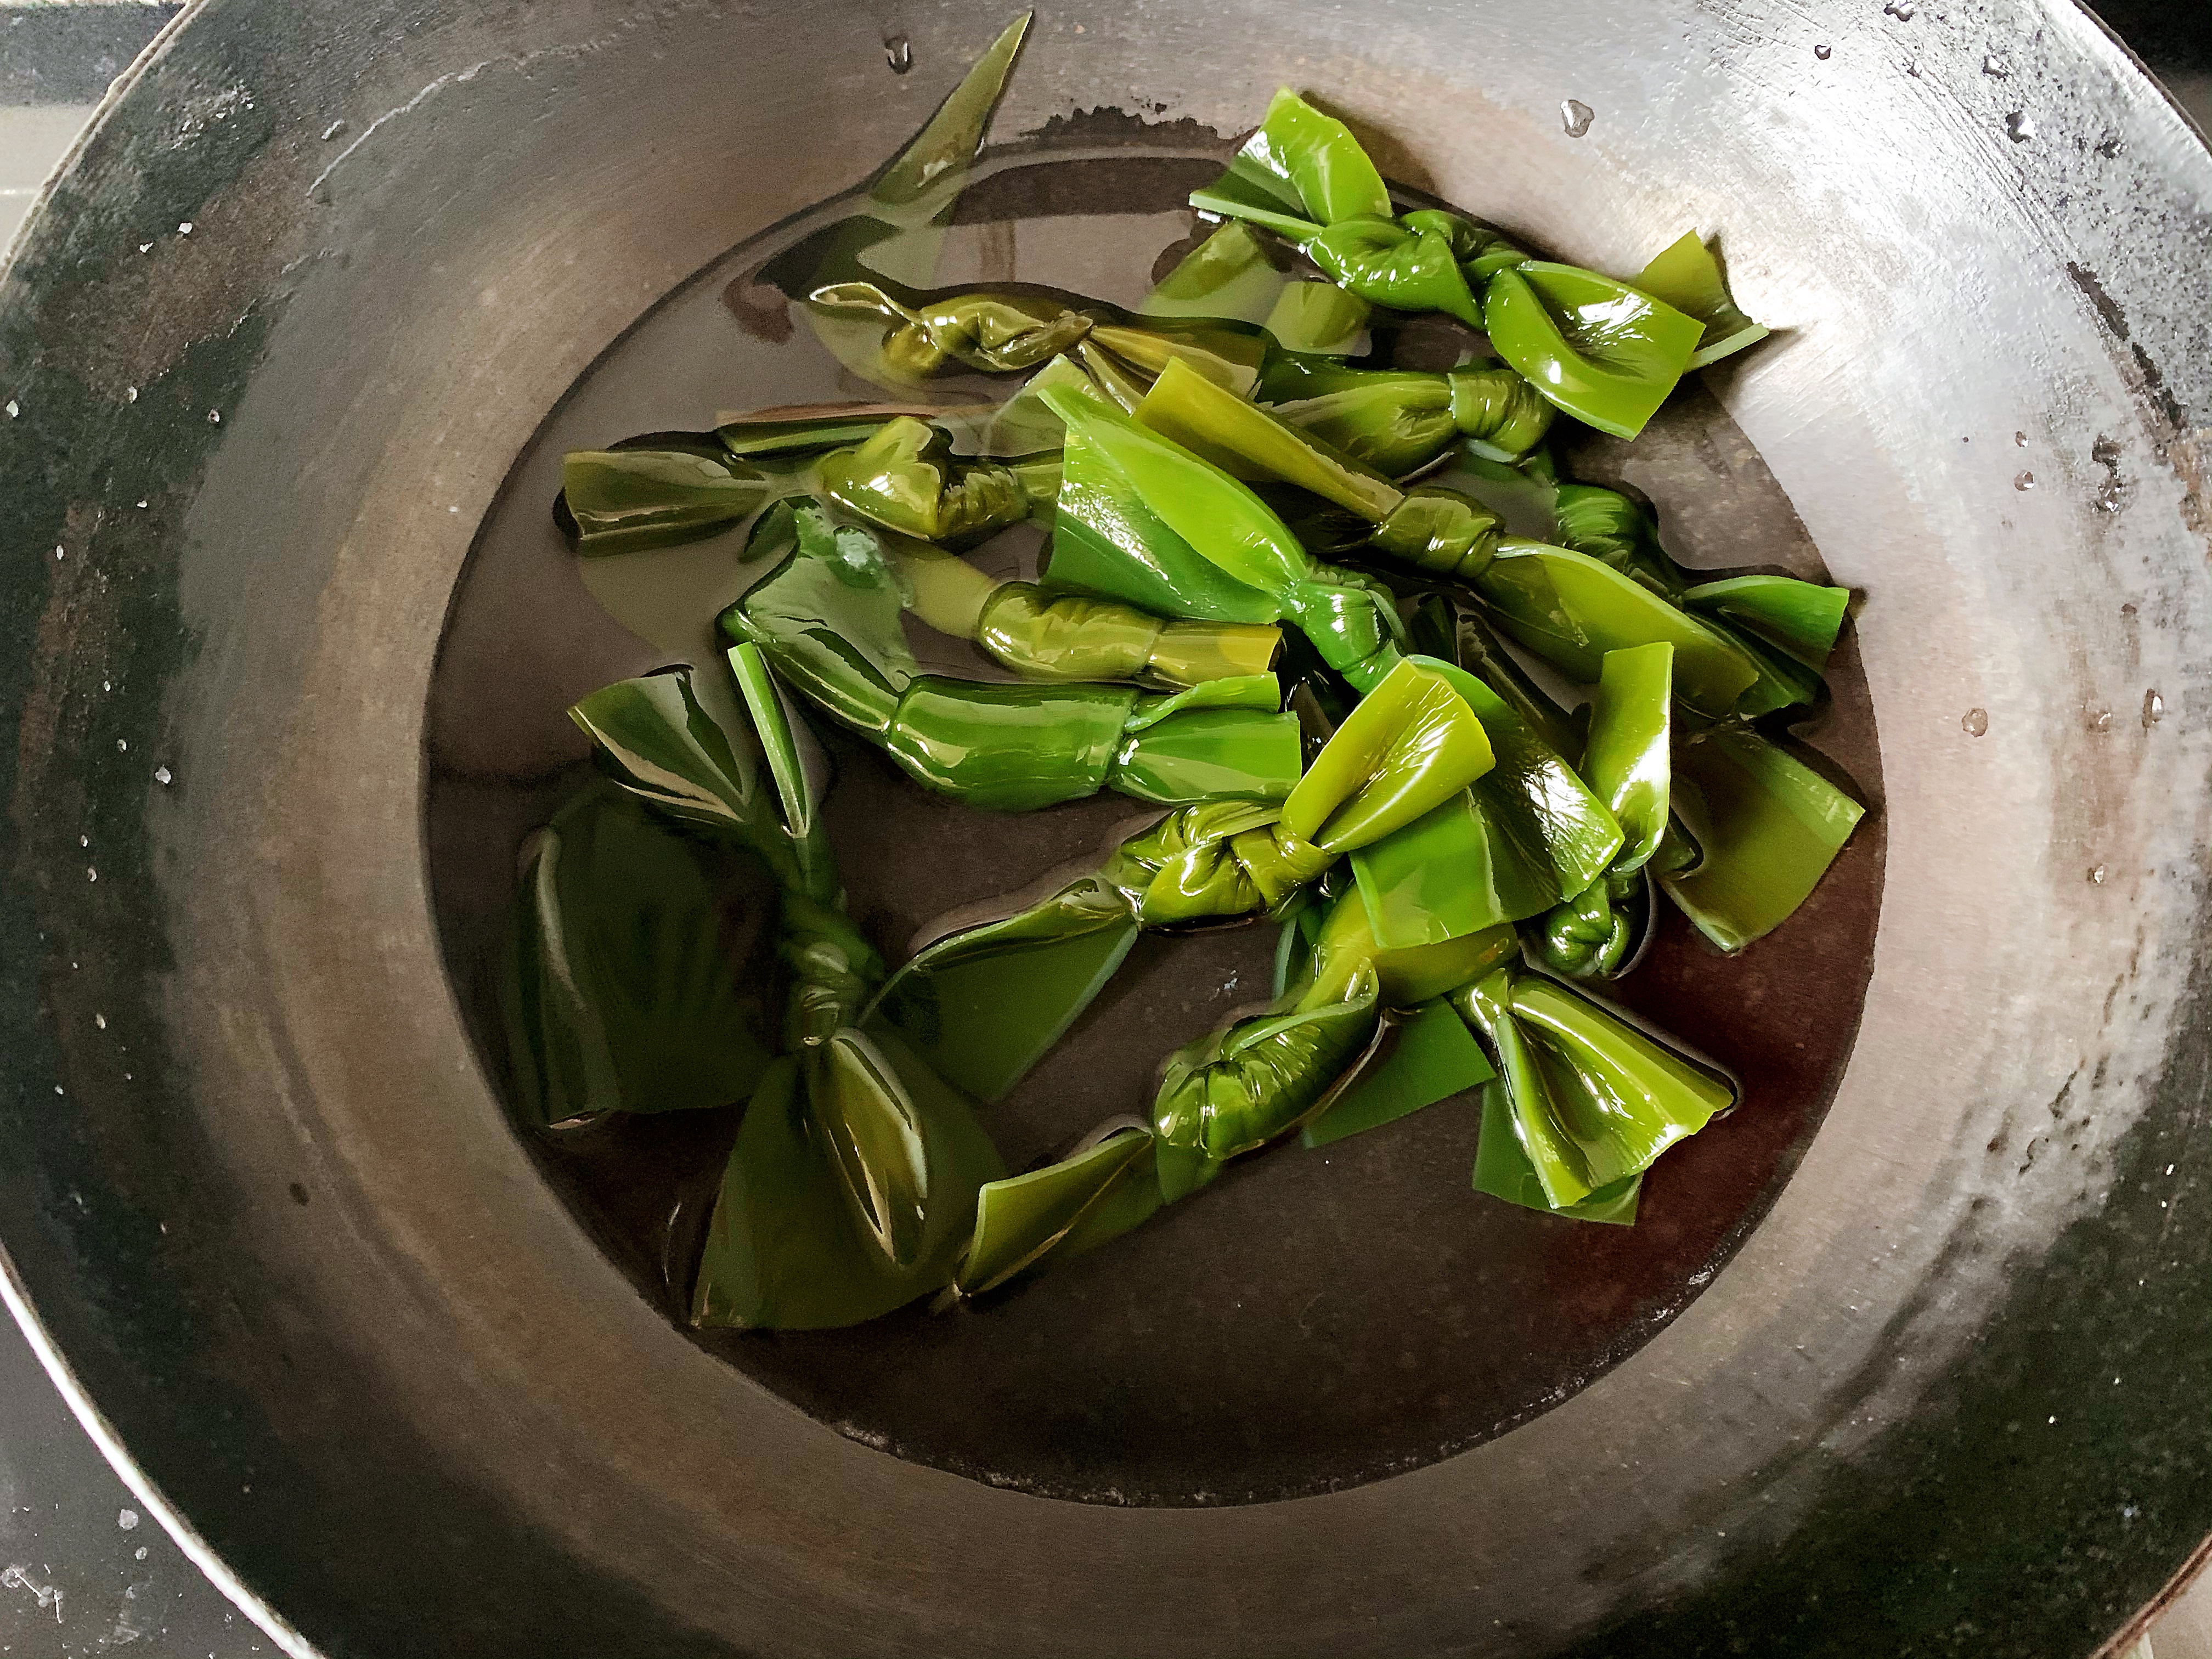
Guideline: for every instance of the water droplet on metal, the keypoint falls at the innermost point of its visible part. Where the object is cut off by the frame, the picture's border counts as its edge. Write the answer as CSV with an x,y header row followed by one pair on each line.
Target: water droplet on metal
x,y
184,227
122,745
13,410
1903,11
215,417
2096,879
332,130
2153,709
1993,66
138,1554
101,1020
898,53
61,553
2024,481
164,776
2019,127
145,247
84,841
91,874
127,1519
129,394
1975,721
1823,51
1576,116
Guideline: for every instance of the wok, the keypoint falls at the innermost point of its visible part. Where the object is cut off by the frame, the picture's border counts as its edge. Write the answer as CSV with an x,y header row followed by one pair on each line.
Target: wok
x,y
1926,1370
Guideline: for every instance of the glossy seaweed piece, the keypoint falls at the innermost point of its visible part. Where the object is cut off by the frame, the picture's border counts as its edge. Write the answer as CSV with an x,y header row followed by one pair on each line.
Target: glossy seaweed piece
x,y
1605,351
829,618
621,991
1766,825
1592,1100
1686,275
1143,518
1596,933
1784,628
1019,328
851,1190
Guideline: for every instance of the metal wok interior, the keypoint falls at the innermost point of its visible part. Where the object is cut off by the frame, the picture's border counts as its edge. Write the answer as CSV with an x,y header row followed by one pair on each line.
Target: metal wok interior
x,y
315,280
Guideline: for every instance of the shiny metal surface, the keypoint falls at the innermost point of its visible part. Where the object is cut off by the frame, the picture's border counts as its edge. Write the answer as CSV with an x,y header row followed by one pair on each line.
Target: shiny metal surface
x,y
1947,1399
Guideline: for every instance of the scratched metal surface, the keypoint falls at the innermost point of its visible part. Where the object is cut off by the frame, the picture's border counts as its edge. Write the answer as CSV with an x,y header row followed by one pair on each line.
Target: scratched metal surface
x,y
317,1288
